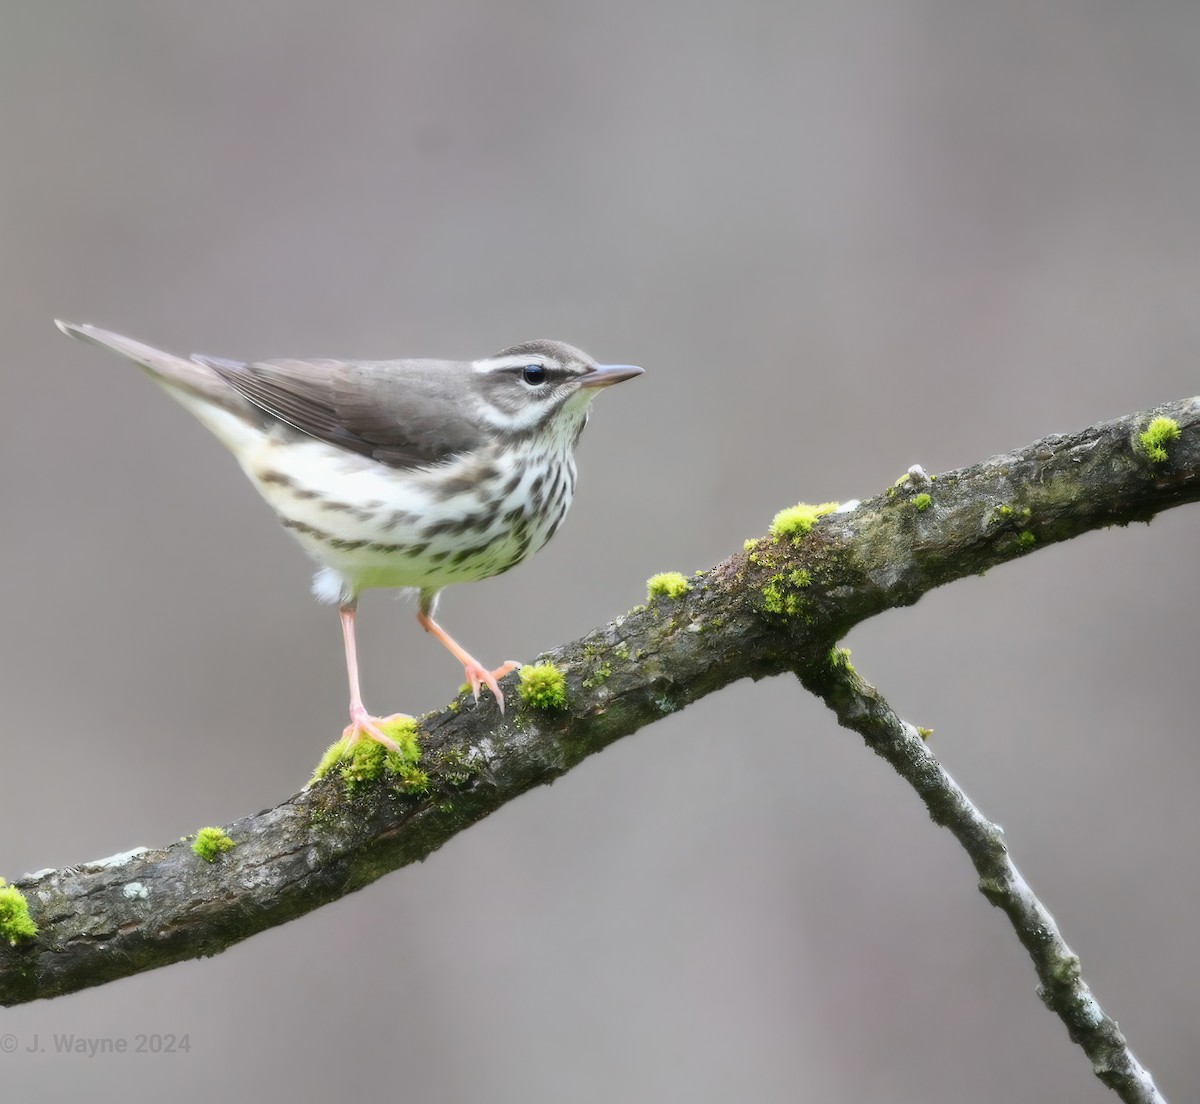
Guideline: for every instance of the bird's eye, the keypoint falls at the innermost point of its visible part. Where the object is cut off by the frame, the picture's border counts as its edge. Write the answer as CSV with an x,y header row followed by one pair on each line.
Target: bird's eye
x,y
533,374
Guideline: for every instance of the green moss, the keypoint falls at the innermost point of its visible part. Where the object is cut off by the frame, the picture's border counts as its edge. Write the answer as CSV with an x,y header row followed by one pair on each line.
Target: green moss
x,y
924,733
667,584
796,521
598,677
1156,436
455,766
1026,539
211,842
544,687
1008,516
15,922
597,661
922,501
369,760
329,760
839,659
750,544
413,780
779,594
778,600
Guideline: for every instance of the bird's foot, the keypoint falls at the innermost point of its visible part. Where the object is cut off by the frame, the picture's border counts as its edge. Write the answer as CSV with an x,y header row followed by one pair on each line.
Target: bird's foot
x,y
479,676
476,674
363,724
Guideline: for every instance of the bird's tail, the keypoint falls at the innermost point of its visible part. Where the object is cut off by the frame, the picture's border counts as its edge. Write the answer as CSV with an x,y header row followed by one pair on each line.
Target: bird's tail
x,y
201,390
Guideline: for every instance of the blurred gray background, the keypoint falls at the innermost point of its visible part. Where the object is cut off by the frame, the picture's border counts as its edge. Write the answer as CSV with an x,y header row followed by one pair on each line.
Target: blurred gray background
x,y
841,238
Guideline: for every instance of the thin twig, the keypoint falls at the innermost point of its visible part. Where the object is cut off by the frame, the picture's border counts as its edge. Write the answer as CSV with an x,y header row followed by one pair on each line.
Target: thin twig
x,y
859,706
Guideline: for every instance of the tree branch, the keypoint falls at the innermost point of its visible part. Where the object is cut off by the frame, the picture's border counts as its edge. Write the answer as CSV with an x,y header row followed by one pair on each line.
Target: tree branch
x,y
859,706
778,606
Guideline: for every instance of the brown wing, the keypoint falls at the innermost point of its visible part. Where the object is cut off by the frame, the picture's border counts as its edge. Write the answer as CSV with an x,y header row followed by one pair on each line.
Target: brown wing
x,y
403,413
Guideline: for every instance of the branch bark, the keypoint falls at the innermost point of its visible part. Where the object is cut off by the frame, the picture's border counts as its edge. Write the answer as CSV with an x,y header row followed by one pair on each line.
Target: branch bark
x,y
778,606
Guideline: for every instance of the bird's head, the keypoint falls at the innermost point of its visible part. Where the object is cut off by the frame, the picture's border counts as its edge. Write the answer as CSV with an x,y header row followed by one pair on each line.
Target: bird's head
x,y
539,384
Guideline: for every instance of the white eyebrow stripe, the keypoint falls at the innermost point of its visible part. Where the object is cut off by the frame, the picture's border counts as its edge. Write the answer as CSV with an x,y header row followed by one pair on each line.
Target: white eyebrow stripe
x,y
500,364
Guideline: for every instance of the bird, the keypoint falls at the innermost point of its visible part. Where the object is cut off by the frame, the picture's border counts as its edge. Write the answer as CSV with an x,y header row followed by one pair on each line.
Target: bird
x,y
411,474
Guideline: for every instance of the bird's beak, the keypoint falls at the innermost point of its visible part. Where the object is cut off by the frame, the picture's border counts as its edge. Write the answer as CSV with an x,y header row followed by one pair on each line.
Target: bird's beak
x,y
610,373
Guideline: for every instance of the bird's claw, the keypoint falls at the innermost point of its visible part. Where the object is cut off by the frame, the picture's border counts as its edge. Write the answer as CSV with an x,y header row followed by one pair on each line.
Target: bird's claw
x,y
479,677
363,724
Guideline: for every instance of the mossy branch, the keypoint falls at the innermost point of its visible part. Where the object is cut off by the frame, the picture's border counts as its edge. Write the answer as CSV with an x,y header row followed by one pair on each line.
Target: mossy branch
x,y
778,605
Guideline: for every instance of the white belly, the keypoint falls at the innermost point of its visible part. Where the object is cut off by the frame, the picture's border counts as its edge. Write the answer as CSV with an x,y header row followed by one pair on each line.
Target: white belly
x,y
373,526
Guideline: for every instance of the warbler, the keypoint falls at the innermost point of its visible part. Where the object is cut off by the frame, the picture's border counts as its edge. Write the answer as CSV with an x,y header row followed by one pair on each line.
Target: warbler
x,y
398,473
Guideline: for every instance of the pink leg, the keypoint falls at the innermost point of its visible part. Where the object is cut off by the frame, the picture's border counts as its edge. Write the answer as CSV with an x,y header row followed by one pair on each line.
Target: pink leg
x,y
361,722
477,675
